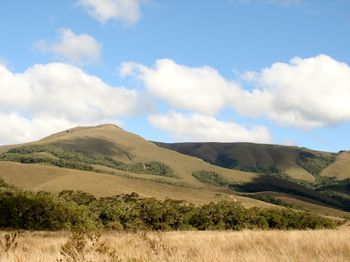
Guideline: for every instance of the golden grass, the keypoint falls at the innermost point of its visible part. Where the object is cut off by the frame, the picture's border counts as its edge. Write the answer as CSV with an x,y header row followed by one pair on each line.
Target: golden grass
x,y
38,177
271,246
340,168
299,173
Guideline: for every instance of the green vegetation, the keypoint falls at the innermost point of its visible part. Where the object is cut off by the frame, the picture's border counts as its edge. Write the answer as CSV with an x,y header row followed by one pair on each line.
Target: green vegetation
x,y
331,184
314,164
62,157
78,210
42,211
210,177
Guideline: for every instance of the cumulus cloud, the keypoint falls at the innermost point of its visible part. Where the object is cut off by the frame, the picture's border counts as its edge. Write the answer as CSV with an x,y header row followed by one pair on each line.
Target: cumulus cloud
x,y
78,49
51,97
127,11
305,93
198,89
201,128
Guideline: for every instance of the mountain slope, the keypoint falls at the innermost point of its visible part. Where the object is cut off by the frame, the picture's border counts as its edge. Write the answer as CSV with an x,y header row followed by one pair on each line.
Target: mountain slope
x,y
111,142
340,169
114,142
53,179
106,160
292,161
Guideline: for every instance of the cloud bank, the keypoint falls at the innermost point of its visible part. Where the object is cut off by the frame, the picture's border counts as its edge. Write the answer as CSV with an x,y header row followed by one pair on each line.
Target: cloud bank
x,y
304,93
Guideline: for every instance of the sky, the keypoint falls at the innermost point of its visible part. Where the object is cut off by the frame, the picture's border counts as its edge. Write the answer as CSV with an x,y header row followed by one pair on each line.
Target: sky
x,y
264,71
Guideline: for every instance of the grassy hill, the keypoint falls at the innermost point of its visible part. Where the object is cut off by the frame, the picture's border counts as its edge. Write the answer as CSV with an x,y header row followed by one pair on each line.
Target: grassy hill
x,y
340,169
298,172
296,162
106,160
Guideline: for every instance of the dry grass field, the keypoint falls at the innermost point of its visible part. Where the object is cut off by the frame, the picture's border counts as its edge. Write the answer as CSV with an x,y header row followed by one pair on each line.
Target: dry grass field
x,y
318,245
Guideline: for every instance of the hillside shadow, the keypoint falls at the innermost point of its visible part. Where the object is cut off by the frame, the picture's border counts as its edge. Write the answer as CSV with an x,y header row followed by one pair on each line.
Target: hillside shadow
x,y
275,184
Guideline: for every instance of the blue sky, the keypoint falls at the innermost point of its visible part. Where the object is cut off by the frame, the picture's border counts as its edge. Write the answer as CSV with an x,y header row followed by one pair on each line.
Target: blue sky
x,y
269,71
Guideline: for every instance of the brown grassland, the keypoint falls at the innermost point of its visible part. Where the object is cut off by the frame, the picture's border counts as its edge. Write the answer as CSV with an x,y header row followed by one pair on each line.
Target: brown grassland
x,y
317,245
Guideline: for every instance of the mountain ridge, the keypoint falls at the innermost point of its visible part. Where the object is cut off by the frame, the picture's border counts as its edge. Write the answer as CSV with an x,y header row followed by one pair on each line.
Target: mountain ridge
x,y
107,157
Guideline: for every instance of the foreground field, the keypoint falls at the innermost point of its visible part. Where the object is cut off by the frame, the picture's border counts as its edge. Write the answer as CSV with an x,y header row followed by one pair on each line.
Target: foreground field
x,y
318,245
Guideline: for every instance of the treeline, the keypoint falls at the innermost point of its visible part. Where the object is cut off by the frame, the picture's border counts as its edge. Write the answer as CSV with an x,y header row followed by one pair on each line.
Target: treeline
x,y
63,157
78,210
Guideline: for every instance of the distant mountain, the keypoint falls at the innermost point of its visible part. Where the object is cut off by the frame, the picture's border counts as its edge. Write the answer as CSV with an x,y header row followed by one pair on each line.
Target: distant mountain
x,y
291,172
106,160
296,162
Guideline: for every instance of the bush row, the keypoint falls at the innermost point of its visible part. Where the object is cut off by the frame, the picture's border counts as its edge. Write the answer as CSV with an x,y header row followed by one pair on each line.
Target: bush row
x,y
76,209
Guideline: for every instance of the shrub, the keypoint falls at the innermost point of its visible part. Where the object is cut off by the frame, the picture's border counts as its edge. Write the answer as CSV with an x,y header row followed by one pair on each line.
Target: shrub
x,y
79,197
79,210
210,177
38,211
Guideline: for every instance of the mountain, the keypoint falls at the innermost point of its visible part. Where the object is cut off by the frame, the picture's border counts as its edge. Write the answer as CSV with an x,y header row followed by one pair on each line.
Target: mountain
x,y
291,173
106,160
295,162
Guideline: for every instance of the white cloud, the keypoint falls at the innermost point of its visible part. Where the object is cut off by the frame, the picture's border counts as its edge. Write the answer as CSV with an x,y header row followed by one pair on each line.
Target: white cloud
x,y
196,127
76,49
305,93
199,89
16,128
127,11
51,97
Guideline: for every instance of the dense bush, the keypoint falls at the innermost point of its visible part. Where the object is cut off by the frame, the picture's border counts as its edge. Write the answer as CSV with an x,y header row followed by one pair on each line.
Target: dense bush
x,y
158,169
263,170
76,209
79,197
210,177
314,164
42,211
